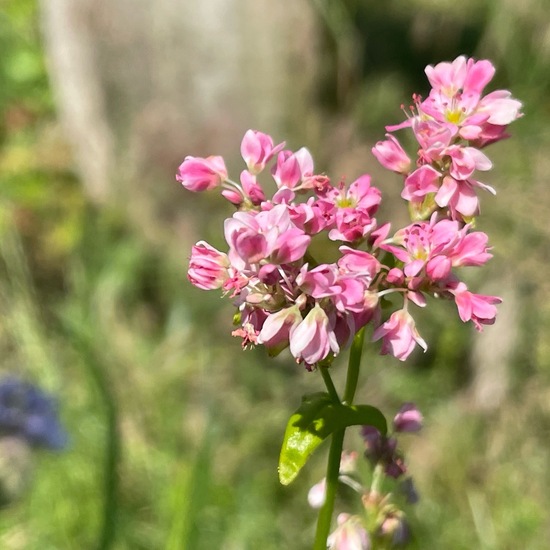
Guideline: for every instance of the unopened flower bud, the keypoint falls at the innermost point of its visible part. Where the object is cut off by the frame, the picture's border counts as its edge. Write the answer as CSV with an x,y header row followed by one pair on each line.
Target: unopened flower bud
x,y
317,494
391,155
208,267
408,419
257,150
349,535
394,528
201,174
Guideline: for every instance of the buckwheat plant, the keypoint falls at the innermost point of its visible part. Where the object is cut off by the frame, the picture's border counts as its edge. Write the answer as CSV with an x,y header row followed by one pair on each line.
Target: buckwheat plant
x,y
286,296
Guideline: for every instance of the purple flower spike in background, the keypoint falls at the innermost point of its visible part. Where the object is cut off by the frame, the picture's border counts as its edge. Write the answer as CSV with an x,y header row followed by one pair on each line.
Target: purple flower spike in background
x,y
28,413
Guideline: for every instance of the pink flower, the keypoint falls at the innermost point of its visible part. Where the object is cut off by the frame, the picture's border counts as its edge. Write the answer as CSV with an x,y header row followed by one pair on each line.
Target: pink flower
x,y
391,155
351,210
270,234
201,174
465,160
422,181
305,162
500,107
399,335
257,150
208,267
350,296
459,197
478,308
278,328
471,250
461,75
349,535
308,216
351,225
314,338
292,168
359,263
437,247
456,98
408,419
433,137
319,282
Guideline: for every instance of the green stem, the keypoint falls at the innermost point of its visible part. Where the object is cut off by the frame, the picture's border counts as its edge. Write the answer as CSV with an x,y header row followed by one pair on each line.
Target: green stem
x,y
337,439
333,469
377,478
329,384
353,366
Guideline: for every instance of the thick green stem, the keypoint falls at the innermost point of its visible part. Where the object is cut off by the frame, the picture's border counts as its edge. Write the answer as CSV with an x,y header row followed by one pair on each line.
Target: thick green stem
x,y
337,440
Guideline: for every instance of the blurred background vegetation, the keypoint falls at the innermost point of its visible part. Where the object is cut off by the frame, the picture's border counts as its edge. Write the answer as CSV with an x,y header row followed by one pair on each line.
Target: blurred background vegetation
x,y
174,432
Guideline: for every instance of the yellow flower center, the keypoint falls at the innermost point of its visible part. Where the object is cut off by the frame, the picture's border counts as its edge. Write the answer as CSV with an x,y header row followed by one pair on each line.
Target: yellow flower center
x,y
453,116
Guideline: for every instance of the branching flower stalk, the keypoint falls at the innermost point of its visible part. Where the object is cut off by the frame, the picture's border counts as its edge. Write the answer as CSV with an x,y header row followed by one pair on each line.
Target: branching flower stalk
x,y
337,441
316,307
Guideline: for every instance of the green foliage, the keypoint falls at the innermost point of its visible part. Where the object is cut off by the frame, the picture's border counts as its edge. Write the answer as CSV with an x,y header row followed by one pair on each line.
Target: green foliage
x,y
318,417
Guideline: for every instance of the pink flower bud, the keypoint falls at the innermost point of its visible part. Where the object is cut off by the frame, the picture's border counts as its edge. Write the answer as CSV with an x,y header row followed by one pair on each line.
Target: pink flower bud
x,y
391,155
394,528
287,172
395,276
349,535
208,267
317,494
252,188
257,150
408,419
201,174
233,196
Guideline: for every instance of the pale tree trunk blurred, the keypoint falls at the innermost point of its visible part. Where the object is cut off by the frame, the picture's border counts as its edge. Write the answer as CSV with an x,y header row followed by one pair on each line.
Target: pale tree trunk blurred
x,y
141,83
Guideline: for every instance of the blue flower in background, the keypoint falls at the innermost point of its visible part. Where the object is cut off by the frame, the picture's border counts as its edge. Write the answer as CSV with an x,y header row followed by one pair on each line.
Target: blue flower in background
x,y
29,413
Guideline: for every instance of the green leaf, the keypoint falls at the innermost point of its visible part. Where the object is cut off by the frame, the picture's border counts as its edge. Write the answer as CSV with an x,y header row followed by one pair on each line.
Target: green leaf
x,y
316,419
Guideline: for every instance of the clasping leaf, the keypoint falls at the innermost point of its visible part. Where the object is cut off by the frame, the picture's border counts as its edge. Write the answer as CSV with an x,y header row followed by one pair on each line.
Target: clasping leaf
x,y
318,417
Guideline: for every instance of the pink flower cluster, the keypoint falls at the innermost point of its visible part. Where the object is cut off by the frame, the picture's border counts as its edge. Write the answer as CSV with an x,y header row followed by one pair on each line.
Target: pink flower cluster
x,y
285,298
451,125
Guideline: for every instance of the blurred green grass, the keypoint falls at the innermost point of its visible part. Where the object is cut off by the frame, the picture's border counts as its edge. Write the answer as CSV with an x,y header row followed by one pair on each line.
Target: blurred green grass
x,y
175,432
